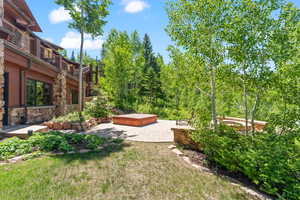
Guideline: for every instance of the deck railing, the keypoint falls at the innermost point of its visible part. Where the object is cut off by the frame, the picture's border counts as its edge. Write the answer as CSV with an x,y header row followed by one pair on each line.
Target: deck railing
x,y
35,46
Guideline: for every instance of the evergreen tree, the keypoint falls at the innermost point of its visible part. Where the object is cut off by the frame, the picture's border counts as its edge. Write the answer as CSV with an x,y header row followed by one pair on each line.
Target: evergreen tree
x,y
150,83
73,58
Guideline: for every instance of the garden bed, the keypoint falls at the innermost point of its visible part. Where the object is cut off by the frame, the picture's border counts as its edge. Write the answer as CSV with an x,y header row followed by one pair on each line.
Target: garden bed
x,y
76,125
53,141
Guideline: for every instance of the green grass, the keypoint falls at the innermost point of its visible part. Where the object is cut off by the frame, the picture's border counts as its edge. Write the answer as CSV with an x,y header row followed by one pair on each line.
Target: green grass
x,y
124,171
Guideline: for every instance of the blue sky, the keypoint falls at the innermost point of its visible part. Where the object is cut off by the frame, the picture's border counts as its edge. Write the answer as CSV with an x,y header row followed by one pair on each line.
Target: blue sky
x,y
145,16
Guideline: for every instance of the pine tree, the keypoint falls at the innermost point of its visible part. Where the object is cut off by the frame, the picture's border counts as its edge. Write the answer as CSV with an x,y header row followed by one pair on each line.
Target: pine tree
x,y
150,84
73,58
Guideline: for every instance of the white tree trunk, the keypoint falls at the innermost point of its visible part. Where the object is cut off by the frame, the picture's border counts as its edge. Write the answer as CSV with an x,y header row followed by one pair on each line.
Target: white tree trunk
x,y
213,98
80,73
245,100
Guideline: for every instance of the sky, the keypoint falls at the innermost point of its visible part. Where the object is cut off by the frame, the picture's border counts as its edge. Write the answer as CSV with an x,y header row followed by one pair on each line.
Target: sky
x,y
145,16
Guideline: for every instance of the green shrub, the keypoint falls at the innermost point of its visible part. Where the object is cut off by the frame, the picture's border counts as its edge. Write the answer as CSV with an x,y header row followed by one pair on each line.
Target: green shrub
x,y
52,141
13,147
48,142
97,108
75,139
93,141
269,160
71,117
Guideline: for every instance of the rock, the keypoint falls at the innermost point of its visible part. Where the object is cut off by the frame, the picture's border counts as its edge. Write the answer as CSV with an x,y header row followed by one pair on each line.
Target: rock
x,y
50,125
16,159
67,126
171,147
57,126
187,159
84,151
177,152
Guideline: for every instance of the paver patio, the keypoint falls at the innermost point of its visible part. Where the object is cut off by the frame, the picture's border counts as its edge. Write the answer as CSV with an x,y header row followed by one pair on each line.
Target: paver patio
x,y
156,132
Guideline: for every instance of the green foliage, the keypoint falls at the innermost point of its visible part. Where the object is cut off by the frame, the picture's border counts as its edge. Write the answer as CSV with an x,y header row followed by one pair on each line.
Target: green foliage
x,y
92,141
269,160
131,71
52,141
13,147
97,108
88,15
87,18
71,117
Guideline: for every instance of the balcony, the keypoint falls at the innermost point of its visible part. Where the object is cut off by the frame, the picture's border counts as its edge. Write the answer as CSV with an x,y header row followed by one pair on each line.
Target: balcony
x,y
32,44
49,56
15,36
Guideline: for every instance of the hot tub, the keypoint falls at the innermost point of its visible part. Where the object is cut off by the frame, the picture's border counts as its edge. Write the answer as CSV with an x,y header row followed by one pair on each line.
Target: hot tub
x,y
134,119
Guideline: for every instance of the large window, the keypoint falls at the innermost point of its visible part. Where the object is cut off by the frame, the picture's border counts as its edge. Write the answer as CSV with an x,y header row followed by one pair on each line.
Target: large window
x,y
38,93
74,94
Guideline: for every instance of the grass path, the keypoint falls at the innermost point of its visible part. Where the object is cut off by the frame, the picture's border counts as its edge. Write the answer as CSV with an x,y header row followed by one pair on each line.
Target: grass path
x,y
128,171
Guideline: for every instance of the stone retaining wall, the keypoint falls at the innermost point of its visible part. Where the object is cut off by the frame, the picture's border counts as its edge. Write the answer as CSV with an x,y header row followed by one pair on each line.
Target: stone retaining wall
x,y
182,137
40,114
34,114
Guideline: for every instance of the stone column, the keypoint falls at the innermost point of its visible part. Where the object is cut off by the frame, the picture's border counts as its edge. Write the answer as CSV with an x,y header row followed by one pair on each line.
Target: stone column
x,y
1,67
60,93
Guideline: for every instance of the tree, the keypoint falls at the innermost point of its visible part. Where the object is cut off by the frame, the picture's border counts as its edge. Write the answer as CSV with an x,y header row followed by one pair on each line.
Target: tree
x,y
121,74
73,58
248,36
197,26
150,85
88,18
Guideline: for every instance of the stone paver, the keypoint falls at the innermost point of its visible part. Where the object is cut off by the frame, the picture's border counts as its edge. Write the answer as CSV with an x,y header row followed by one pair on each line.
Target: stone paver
x,y
156,132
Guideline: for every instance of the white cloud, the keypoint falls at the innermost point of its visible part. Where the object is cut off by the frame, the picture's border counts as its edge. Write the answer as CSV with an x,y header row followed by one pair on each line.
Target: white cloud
x,y
49,39
72,41
59,15
134,6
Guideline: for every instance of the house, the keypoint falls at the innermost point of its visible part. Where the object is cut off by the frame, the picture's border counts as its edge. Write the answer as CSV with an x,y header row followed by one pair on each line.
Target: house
x,y
36,82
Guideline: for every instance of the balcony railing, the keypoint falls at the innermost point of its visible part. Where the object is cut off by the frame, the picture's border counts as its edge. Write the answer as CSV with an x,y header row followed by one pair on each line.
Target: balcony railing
x,y
15,36
36,47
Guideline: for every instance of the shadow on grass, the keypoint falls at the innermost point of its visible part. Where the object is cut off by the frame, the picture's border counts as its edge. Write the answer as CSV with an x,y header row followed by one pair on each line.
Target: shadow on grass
x,y
109,147
111,133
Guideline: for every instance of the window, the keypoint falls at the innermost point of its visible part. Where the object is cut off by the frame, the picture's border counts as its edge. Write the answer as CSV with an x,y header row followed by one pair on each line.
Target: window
x,y
74,94
38,93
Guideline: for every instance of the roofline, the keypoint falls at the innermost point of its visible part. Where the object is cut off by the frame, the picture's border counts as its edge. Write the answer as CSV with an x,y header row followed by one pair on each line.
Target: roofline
x,y
39,29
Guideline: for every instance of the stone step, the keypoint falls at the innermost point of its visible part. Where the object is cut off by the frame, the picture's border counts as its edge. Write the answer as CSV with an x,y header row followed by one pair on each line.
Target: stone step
x,y
23,131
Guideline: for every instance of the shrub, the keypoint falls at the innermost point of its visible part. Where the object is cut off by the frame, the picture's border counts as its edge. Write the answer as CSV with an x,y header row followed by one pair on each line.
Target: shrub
x,y
71,117
269,160
51,141
93,141
14,147
75,139
97,108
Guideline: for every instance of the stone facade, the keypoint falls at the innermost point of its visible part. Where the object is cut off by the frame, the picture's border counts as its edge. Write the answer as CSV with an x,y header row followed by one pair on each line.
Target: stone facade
x,y
34,114
40,114
16,116
60,93
1,67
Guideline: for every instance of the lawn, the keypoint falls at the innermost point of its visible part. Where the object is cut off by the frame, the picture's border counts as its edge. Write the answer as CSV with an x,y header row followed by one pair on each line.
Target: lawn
x,y
124,171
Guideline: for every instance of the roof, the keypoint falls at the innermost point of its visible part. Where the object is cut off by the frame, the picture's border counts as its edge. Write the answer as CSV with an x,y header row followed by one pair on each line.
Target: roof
x,y
26,10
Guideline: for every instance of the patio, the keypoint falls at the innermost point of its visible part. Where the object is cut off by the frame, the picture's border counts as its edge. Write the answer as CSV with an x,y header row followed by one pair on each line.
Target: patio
x,y
156,132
